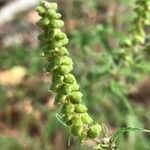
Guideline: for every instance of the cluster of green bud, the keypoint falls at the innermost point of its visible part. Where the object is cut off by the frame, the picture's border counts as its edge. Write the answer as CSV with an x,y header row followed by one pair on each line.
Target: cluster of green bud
x,y
60,65
142,19
130,45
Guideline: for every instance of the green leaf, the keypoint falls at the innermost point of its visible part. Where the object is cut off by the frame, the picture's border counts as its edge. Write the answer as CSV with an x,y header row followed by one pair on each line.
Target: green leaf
x,y
59,118
126,129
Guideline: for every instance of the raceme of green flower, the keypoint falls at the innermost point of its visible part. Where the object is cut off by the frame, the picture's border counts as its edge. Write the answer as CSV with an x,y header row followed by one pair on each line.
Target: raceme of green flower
x,y
130,46
142,19
64,84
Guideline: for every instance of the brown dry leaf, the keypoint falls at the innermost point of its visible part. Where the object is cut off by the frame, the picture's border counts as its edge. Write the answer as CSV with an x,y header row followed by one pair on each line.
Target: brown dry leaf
x,y
13,76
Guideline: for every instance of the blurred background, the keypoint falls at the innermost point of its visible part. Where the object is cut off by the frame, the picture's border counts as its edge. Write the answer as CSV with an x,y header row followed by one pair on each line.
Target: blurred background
x,y
94,27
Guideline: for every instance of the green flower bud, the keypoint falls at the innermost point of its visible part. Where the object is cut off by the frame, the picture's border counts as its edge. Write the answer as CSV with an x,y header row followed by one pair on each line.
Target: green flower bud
x,y
60,98
65,69
67,119
45,49
69,78
56,23
64,41
77,130
94,131
75,97
53,14
75,87
60,36
51,6
68,109
80,108
76,119
77,122
77,127
62,51
56,44
57,60
86,118
43,22
57,79
41,10
66,60
65,89
62,60
50,55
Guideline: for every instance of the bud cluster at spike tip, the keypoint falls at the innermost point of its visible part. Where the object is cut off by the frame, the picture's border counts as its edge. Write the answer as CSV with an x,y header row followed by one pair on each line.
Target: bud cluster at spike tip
x,y
60,65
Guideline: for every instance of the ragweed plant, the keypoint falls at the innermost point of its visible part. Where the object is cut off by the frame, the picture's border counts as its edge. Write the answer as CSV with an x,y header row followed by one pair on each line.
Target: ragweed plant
x,y
131,46
131,58
68,95
67,92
